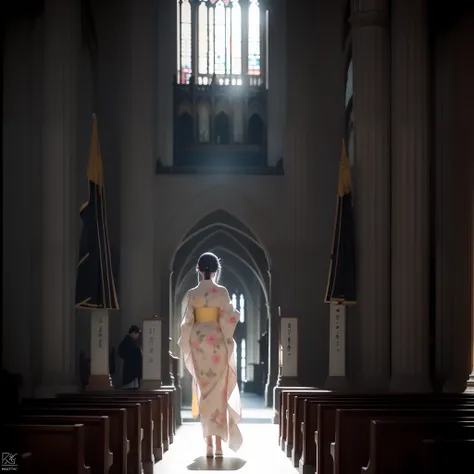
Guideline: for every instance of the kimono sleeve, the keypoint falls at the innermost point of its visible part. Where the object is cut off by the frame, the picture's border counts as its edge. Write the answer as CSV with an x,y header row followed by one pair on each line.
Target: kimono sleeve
x,y
185,339
228,314
188,318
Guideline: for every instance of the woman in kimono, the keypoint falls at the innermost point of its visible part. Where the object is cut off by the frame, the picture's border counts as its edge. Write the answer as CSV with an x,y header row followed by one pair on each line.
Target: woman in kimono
x,y
208,349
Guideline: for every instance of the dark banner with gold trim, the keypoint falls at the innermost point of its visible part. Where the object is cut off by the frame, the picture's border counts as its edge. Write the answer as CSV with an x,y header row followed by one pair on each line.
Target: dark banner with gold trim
x,y
341,286
95,284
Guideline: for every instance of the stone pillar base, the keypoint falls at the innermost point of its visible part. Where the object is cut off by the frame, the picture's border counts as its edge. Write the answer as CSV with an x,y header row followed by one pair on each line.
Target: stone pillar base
x,y
470,384
335,382
150,385
375,383
411,384
99,382
454,385
269,387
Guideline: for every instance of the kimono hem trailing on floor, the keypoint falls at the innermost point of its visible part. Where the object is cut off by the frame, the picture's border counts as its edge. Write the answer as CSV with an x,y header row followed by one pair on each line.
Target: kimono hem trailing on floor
x,y
208,350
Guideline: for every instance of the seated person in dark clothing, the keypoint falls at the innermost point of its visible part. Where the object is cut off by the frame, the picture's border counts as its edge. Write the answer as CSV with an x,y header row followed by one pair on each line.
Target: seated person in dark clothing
x,y
131,353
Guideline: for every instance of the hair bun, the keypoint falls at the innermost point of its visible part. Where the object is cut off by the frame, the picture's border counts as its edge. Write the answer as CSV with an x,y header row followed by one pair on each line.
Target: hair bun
x,y
208,264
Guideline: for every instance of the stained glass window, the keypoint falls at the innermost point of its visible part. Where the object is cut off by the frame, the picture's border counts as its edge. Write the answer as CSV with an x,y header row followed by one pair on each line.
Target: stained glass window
x,y
243,361
219,38
203,39
236,39
221,28
242,308
254,38
186,54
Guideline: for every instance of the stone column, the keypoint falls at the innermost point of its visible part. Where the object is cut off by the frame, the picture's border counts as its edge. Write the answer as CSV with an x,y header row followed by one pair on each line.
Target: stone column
x,y
137,149
470,381
276,82
410,197
62,42
271,311
371,60
20,164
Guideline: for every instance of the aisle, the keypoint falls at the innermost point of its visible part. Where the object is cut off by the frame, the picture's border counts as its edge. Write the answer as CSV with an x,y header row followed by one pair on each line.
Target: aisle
x,y
253,410
260,453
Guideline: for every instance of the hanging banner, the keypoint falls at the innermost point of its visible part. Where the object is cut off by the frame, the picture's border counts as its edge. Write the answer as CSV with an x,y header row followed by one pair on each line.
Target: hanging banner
x,y
100,342
152,343
289,347
341,286
337,340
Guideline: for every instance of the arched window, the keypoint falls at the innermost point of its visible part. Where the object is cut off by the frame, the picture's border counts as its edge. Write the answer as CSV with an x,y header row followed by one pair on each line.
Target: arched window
x,y
242,308
234,301
221,38
243,361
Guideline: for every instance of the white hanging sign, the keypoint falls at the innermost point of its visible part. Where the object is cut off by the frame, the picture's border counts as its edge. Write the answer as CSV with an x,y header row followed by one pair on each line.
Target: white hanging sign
x,y
337,340
289,347
100,342
152,338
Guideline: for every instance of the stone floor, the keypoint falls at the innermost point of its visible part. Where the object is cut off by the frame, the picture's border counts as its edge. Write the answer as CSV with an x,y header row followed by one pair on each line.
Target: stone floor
x,y
253,410
260,452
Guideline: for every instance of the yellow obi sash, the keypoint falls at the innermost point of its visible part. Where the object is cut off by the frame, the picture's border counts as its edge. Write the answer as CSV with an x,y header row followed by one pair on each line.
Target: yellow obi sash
x,y
202,315
206,315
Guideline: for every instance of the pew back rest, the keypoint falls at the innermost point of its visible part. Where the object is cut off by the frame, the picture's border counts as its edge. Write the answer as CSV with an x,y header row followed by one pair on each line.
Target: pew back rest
x,y
96,433
396,443
55,448
439,455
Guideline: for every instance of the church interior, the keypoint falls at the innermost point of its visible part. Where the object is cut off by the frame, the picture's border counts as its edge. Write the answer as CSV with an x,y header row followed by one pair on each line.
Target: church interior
x,y
323,150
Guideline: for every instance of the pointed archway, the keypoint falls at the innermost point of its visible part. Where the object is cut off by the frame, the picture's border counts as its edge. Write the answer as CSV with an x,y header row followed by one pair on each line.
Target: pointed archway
x,y
246,272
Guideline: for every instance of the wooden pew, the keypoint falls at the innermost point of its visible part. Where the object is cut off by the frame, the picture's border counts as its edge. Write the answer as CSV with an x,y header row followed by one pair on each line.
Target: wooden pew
x,y
350,450
147,457
293,400
318,417
288,400
291,439
280,404
406,436
171,394
161,412
169,415
295,418
165,419
439,456
97,449
119,444
286,408
134,429
56,449
25,463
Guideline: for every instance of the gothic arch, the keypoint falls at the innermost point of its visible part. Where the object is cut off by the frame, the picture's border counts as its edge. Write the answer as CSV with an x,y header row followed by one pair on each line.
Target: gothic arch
x,y
225,219
253,265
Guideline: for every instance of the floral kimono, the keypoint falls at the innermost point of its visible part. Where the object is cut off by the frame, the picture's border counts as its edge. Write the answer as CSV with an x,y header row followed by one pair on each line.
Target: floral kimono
x,y
209,354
